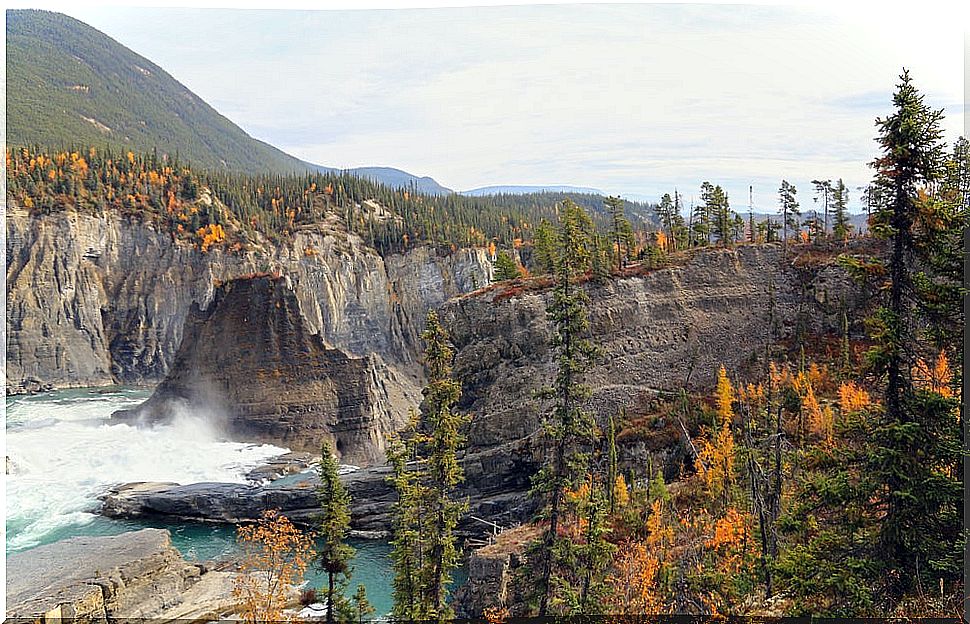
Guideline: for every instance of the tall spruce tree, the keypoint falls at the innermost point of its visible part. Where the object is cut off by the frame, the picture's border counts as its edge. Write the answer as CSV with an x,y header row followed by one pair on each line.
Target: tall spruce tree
x,y
700,224
408,525
893,478
442,426
333,528
569,431
544,248
665,212
789,210
720,216
426,473
841,227
918,439
824,192
621,232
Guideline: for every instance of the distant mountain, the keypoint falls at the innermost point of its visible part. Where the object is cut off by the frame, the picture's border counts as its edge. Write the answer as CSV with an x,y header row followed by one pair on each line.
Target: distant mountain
x,y
526,190
402,179
70,84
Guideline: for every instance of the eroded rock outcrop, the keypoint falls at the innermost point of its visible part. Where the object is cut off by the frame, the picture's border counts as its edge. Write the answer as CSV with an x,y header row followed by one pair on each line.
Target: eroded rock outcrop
x,y
253,362
495,481
492,575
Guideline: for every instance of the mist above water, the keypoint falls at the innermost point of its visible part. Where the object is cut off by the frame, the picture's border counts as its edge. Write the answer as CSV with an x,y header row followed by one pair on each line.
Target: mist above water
x,y
64,452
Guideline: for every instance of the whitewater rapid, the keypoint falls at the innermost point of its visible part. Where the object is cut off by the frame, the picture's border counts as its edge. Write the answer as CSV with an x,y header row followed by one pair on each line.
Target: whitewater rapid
x,y
64,452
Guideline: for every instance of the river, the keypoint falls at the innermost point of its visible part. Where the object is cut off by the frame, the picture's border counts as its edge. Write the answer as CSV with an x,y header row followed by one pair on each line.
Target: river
x,y
64,452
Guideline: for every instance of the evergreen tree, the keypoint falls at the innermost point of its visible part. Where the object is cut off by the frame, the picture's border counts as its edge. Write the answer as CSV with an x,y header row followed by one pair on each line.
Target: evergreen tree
x,y
569,430
333,527
918,441
700,225
620,230
666,213
824,192
408,526
595,553
840,199
893,480
426,473
544,250
789,210
719,214
681,232
505,268
443,430
600,260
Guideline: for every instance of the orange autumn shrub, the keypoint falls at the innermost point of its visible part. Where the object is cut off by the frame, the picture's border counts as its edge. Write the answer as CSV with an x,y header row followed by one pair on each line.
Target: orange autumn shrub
x,y
275,555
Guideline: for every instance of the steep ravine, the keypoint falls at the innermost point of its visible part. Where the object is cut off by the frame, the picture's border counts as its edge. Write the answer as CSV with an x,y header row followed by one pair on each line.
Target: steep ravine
x,y
102,299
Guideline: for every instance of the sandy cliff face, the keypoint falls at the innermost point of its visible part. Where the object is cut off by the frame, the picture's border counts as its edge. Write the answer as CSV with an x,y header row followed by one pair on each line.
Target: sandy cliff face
x,y
100,299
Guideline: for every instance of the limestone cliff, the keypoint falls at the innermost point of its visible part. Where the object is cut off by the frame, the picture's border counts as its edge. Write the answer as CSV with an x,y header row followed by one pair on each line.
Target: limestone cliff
x,y
658,330
252,361
95,299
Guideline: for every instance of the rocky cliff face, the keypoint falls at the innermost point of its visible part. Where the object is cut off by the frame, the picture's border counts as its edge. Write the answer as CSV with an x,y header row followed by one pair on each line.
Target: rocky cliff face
x,y
252,361
665,329
100,299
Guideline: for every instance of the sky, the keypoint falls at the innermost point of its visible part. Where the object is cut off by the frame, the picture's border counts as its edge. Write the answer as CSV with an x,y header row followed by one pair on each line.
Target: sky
x,y
635,100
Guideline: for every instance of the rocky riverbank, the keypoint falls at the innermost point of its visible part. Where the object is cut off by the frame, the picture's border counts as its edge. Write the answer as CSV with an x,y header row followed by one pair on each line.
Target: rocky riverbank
x,y
135,575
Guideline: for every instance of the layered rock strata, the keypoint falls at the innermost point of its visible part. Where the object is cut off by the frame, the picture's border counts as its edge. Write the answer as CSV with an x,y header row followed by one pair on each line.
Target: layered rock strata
x,y
252,362
96,299
664,330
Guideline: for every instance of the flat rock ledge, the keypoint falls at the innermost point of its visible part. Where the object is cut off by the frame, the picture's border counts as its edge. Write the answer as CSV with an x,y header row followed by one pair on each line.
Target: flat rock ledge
x,y
495,492
118,578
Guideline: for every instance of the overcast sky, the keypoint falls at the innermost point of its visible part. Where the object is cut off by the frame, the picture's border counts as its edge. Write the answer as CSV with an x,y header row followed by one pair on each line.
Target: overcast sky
x,y
629,99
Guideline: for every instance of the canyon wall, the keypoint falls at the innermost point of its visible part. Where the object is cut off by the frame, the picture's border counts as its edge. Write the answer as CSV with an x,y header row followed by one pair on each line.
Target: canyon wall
x,y
665,329
252,362
102,299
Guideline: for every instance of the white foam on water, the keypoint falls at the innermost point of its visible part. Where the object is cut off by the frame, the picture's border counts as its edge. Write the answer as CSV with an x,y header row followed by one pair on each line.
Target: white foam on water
x,y
65,453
